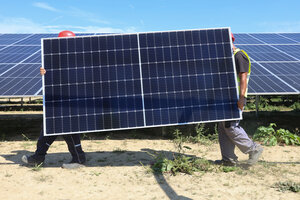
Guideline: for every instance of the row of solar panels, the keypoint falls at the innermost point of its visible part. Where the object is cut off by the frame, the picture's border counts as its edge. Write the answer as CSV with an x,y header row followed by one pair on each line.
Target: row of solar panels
x,y
275,63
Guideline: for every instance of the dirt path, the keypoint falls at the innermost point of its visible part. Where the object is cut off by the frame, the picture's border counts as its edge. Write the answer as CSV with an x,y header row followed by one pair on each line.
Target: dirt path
x,y
119,169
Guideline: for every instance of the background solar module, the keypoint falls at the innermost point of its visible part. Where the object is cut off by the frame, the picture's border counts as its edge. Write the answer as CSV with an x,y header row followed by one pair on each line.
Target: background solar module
x,y
275,62
126,81
20,60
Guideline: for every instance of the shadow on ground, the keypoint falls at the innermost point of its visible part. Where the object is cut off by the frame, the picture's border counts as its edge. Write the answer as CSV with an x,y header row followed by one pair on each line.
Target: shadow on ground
x,y
102,159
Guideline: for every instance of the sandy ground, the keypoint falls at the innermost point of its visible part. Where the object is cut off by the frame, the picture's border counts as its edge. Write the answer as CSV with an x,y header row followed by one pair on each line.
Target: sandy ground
x,y
119,169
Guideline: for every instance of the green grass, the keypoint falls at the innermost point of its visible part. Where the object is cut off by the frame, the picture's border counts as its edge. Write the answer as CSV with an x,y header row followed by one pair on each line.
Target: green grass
x,y
287,186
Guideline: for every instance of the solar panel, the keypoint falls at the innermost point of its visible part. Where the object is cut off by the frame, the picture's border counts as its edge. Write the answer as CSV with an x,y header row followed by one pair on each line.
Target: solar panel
x,y
123,81
20,60
275,62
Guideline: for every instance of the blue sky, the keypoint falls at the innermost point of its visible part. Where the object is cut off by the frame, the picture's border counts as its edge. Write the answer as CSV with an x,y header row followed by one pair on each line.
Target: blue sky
x,y
127,16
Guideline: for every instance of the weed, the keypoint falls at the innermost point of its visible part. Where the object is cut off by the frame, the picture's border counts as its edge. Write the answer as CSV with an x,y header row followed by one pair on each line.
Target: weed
x,y
287,186
227,169
182,164
25,137
269,136
95,173
178,140
148,169
118,150
37,168
296,106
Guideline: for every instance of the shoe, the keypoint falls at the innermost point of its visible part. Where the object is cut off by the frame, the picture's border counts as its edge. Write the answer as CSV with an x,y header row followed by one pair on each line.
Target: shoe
x,y
32,160
254,155
226,162
72,165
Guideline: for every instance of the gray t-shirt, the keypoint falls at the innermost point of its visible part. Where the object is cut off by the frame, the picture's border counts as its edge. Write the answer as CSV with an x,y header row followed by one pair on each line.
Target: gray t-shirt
x,y
241,62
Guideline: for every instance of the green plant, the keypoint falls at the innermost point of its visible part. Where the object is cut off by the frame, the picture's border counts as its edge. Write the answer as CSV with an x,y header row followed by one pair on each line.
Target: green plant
x,y
296,106
178,140
202,136
269,136
37,168
288,185
25,137
182,164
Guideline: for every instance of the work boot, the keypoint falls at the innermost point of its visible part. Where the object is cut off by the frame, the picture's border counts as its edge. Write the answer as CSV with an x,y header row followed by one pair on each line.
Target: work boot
x,y
33,160
254,155
226,162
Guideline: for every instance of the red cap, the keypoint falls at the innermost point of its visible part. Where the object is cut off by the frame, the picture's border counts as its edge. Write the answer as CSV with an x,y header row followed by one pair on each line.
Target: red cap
x,y
232,37
66,34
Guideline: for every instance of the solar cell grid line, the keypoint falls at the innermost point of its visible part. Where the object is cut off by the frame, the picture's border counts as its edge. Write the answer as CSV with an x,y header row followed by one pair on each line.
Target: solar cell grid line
x,y
126,81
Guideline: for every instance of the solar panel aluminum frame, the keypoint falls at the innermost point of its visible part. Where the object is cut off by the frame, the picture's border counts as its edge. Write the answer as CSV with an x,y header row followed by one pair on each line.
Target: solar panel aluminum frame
x,y
138,127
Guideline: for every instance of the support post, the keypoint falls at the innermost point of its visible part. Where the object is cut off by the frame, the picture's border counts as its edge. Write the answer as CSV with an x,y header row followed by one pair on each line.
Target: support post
x,y
22,102
257,98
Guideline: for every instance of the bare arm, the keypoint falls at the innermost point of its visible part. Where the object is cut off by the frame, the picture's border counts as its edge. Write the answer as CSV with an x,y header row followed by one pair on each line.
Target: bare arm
x,y
243,88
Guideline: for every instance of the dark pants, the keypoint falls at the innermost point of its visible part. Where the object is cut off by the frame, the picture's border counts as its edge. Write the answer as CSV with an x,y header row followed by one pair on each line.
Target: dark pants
x,y
73,142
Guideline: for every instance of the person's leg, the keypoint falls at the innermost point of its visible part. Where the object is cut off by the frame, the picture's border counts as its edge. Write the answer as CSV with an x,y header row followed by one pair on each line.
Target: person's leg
x,y
74,146
43,144
226,145
42,147
239,137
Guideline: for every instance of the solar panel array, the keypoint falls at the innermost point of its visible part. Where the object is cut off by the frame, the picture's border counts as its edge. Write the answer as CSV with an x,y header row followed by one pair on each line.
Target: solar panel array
x,y
20,60
275,61
114,82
